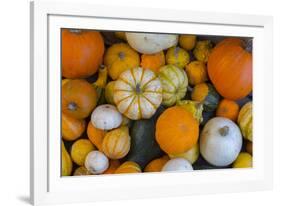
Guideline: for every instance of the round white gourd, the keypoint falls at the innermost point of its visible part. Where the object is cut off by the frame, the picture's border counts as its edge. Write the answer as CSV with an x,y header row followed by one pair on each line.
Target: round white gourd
x,y
177,164
106,117
148,43
96,162
220,141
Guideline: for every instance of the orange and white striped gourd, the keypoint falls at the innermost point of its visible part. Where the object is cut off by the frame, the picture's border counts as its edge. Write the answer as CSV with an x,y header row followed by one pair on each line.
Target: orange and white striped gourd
x,y
116,143
138,93
245,119
128,167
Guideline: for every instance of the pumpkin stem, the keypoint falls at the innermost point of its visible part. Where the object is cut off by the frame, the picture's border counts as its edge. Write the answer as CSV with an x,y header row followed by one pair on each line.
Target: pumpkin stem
x,y
224,131
72,106
138,89
76,31
121,55
249,45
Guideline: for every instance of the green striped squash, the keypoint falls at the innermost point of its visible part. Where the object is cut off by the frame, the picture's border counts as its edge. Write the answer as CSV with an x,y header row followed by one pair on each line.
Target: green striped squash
x,y
245,119
174,84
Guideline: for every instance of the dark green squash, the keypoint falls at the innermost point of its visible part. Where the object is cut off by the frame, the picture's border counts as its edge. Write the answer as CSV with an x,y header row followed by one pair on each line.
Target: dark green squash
x,y
144,147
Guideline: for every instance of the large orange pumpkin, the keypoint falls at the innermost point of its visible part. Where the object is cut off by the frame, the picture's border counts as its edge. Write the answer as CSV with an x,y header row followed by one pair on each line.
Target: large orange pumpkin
x,y
79,98
230,69
82,53
176,130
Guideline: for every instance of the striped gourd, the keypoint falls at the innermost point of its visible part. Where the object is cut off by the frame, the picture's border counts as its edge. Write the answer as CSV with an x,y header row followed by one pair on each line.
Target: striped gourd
x,y
116,143
128,167
245,119
174,83
137,93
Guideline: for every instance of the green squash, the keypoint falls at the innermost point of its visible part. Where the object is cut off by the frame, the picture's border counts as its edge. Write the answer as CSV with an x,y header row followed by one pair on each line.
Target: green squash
x,y
144,147
206,94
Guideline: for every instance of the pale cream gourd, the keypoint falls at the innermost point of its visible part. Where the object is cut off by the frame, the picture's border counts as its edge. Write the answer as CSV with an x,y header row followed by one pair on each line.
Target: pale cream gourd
x,y
148,43
106,117
177,164
96,162
220,141
137,93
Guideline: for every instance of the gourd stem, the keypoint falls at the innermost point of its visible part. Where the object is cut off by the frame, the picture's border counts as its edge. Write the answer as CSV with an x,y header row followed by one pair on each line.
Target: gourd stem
x,y
77,31
224,131
177,49
72,106
121,55
138,89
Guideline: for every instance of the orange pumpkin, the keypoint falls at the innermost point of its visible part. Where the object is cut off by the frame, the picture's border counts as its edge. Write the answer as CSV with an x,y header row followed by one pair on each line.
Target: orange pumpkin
x,y
128,167
153,61
95,135
79,98
176,130
230,69
113,165
71,128
228,109
157,164
82,53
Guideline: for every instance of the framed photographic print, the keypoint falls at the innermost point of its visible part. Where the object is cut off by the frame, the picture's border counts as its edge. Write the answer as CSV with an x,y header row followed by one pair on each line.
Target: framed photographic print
x,y
167,104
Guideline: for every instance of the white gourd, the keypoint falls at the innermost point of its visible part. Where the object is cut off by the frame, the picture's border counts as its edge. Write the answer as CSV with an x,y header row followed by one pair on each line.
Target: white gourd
x,y
106,117
148,43
96,162
177,164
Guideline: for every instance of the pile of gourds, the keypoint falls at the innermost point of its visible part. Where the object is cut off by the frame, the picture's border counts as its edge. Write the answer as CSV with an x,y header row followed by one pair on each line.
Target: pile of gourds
x,y
145,102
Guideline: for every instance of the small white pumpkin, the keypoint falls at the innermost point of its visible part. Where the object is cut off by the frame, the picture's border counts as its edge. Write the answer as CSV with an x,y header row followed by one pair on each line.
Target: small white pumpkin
x,y
96,162
177,164
106,117
220,141
148,43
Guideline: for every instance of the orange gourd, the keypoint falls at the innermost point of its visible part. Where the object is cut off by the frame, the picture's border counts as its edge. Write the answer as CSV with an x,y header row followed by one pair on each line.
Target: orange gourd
x,y
72,128
95,135
196,72
82,53
176,130
228,109
113,165
79,98
230,69
153,61
128,167
157,164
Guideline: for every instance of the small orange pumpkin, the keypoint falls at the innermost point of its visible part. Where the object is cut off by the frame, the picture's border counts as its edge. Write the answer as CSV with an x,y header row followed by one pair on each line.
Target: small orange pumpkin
x,y
157,164
113,165
176,130
79,98
120,57
71,128
230,69
95,135
153,61
128,167
82,53
228,109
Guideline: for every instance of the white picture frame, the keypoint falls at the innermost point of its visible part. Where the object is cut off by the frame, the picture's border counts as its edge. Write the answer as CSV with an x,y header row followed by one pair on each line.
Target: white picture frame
x,y
47,186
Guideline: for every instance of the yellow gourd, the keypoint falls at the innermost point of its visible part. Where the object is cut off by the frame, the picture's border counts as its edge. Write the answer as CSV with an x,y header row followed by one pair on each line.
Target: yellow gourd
x,y
177,56
66,162
202,50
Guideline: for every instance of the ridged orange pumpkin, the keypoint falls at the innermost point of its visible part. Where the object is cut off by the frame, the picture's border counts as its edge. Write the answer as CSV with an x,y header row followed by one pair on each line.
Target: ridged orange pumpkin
x,y
113,165
176,130
153,61
79,98
71,128
82,53
116,143
228,109
157,164
230,69
128,167
95,135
